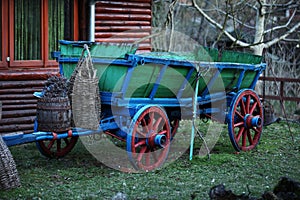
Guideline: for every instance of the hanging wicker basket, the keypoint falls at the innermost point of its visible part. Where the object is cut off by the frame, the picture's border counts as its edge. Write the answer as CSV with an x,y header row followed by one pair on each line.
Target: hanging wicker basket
x,y
84,94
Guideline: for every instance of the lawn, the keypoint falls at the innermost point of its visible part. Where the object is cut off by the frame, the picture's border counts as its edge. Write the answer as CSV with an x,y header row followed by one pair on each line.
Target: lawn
x,y
79,175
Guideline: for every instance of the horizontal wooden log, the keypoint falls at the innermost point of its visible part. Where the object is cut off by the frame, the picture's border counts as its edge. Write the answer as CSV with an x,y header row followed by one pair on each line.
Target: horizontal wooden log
x,y
19,120
123,10
123,28
144,46
121,34
16,96
18,113
125,4
19,101
122,23
21,84
20,90
18,107
37,74
116,40
143,51
132,17
25,128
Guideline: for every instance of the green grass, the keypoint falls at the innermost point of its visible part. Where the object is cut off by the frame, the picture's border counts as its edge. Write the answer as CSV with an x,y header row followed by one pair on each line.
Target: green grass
x,y
80,176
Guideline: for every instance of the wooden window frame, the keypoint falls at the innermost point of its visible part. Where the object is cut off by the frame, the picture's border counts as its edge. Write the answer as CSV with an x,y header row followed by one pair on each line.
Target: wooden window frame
x,y
8,46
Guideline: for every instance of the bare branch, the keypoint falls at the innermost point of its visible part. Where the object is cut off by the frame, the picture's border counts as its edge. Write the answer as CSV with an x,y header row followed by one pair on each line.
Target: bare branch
x,y
236,20
291,40
283,26
219,26
276,40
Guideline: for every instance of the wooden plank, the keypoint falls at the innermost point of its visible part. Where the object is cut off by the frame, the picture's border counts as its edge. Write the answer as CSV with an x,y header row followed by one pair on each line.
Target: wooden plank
x,y
123,28
116,40
19,101
16,96
124,4
26,128
19,113
122,10
133,17
18,107
28,74
19,120
122,34
122,23
20,90
21,84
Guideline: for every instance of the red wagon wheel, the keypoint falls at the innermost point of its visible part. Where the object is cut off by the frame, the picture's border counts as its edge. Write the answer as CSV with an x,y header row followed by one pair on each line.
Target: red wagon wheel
x,y
148,141
245,120
56,148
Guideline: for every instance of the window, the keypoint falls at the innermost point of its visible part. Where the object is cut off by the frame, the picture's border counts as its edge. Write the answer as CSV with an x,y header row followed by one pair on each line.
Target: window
x,y
30,30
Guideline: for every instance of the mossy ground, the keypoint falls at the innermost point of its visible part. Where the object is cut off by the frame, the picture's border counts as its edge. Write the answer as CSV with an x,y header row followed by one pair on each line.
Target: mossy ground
x,y
80,176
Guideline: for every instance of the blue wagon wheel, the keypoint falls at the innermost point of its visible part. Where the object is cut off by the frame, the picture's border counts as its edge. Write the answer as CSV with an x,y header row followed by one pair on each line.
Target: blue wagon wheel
x,y
245,120
148,141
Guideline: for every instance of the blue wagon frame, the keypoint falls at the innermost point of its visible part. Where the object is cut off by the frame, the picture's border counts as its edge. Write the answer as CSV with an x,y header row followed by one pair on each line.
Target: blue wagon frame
x,y
242,110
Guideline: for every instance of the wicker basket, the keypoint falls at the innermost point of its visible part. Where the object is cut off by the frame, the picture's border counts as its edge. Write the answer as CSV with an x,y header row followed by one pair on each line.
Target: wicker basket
x,y
84,94
9,177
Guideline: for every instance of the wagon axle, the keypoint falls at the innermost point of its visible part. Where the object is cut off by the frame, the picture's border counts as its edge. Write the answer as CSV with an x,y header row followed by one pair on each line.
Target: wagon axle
x,y
156,140
252,121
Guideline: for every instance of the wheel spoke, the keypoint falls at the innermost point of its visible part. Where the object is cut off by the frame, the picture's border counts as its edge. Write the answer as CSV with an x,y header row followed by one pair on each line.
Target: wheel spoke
x,y
144,125
150,125
244,138
162,132
248,104
249,137
238,124
142,134
51,143
240,133
253,108
140,143
156,124
141,153
243,109
239,114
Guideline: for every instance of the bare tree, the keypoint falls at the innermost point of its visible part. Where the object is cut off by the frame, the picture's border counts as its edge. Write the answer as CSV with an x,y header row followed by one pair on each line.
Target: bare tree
x,y
269,21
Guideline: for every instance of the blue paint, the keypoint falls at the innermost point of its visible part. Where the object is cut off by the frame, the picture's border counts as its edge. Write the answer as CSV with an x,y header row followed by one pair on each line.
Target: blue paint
x,y
158,80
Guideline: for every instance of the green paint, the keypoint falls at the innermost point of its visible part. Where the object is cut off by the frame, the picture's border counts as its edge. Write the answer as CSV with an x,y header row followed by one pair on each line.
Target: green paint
x,y
111,77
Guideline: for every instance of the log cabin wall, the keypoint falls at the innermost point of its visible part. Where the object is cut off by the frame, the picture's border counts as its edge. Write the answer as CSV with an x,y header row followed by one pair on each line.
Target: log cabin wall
x,y
29,32
117,21
18,102
122,21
